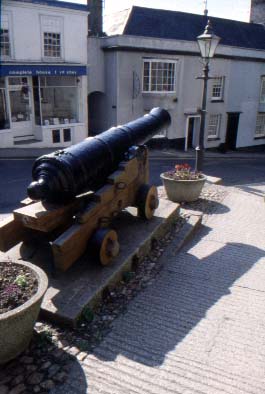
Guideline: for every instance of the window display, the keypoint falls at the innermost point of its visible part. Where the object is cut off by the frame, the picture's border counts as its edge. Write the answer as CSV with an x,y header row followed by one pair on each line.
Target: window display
x,y
59,100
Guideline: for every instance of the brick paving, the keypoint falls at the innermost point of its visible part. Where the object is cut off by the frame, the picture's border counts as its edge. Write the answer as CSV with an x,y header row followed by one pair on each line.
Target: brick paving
x,y
200,326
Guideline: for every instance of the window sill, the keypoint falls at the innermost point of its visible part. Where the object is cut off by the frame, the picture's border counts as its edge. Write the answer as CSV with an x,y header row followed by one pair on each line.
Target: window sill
x,y
217,101
52,59
164,93
262,137
213,139
61,125
6,58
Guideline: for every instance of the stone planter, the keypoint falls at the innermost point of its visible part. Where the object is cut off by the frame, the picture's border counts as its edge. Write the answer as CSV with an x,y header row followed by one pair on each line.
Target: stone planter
x,y
183,190
16,326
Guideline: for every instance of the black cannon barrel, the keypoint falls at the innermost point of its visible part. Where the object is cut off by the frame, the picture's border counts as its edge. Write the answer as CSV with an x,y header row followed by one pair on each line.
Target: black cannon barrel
x,y
62,175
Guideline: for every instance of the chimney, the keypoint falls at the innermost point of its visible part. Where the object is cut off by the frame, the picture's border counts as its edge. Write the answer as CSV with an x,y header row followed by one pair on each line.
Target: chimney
x,y
95,18
257,11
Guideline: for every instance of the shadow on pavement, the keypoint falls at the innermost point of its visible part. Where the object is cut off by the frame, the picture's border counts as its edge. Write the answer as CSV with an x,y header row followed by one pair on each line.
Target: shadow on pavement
x,y
256,189
162,316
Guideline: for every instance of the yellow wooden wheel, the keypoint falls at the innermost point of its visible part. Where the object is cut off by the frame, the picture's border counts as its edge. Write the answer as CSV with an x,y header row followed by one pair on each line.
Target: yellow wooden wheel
x,y
105,245
147,201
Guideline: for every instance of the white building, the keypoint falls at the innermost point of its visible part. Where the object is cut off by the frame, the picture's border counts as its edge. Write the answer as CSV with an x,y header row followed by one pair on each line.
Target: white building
x,y
43,73
151,58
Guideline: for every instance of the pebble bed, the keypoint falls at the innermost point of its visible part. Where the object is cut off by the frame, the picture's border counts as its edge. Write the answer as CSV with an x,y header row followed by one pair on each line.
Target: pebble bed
x,y
52,351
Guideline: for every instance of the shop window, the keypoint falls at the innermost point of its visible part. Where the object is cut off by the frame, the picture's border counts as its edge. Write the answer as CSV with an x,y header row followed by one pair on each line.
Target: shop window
x,y
260,125
56,136
214,126
5,45
59,100
218,88
4,119
52,28
19,99
159,76
67,135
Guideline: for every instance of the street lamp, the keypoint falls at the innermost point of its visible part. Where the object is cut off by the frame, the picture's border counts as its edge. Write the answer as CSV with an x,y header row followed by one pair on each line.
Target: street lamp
x,y
207,42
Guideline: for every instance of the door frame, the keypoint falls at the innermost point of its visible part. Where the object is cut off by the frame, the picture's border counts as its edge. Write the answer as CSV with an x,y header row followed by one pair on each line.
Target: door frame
x,y
187,129
19,127
226,135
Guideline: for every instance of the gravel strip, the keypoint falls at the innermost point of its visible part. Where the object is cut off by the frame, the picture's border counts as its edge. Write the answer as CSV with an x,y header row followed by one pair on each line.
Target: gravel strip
x,y
53,349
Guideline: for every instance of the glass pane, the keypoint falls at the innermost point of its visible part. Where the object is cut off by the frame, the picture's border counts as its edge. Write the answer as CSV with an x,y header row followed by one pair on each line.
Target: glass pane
x,y
19,102
67,135
60,81
55,136
59,105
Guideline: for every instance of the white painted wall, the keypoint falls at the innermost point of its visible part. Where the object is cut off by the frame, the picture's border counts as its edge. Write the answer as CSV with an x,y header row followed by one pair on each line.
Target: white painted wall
x,y
26,31
241,67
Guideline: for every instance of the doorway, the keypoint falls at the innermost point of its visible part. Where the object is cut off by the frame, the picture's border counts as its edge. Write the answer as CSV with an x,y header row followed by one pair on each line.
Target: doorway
x,y
231,130
20,98
192,131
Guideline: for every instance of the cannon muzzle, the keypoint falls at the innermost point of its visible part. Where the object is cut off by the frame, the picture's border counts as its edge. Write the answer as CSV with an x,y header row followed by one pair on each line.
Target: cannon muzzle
x,y
62,175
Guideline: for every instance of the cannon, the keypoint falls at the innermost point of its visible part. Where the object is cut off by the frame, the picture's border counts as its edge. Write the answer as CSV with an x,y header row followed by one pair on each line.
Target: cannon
x,y
77,192
62,175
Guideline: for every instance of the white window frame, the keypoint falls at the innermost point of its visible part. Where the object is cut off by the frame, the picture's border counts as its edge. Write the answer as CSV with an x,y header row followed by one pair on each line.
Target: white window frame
x,y
161,60
58,28
218,83
262,90
260,125
7,25
214,120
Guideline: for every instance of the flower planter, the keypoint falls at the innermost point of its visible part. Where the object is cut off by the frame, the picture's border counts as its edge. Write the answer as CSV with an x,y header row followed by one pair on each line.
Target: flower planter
x,y
16,326
183,190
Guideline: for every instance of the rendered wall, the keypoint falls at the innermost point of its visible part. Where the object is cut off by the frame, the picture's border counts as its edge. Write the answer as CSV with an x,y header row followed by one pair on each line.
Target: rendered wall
x,y
26,36
241,93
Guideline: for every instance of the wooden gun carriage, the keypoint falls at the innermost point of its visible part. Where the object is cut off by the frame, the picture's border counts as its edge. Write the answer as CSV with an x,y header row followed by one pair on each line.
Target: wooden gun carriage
x,y
76,192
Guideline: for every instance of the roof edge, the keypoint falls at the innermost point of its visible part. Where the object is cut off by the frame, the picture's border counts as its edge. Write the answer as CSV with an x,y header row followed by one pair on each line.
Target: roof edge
x,y
55,3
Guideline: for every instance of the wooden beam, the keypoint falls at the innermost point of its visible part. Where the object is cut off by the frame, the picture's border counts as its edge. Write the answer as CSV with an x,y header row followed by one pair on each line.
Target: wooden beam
x,y
11,233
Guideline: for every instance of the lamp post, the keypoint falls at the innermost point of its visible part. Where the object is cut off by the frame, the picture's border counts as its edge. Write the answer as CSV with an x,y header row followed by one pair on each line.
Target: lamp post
x,y
207,42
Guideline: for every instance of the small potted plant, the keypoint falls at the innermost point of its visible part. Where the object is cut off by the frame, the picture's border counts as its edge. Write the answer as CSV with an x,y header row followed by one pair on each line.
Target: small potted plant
x,y
182,184
22,287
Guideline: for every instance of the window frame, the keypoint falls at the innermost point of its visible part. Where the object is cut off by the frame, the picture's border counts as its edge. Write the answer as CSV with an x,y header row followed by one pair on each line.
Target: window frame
x,y
218,125
260,114
8,17
221,87
44,18
158,60
262,87
55,46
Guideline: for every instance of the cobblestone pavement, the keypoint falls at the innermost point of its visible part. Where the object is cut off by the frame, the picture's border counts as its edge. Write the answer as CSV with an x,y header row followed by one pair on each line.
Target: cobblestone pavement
x,y
199,327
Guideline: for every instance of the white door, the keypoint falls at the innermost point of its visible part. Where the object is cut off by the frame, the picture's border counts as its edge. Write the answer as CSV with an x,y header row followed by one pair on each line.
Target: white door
x,y
20,97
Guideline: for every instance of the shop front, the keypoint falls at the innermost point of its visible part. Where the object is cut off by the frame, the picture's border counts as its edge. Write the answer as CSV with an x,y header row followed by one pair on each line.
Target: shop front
x,y
42,105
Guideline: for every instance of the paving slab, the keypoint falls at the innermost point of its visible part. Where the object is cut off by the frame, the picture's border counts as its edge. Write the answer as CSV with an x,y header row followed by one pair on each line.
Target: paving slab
x,y
199,327
82,285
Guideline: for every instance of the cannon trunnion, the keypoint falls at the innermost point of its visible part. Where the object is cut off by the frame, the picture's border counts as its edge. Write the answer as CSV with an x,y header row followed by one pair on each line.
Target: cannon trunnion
x,y
82,188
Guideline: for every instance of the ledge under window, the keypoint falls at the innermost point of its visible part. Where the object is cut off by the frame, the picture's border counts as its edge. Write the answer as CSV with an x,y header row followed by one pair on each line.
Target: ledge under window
x,y
217,101
213,139
260,137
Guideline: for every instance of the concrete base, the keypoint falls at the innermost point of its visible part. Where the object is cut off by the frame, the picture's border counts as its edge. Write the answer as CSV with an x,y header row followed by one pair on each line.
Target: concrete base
x,y
214,180
82,285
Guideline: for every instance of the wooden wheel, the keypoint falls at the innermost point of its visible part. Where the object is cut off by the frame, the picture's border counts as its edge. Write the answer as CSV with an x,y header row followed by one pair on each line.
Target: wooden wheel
x,y
147,201
105,245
